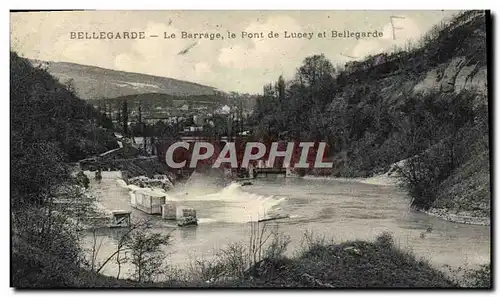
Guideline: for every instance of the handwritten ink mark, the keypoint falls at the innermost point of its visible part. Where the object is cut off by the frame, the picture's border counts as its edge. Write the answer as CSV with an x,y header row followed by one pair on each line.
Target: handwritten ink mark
x,y
187,49
394,28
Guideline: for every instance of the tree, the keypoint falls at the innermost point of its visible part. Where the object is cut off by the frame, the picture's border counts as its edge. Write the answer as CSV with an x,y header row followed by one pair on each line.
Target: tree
x,y
280,87
315,69
125,118
49,127
142,248
146,254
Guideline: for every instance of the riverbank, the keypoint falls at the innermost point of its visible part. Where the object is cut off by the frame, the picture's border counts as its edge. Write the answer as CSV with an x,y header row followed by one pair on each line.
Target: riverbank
x,y
381,180
462,217
351,264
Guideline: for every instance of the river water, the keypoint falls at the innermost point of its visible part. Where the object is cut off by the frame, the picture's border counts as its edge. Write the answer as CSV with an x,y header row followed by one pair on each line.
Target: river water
x,y
338,210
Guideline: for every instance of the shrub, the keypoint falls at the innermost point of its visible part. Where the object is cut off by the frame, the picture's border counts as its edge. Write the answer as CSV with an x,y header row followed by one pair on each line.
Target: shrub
x,y
471,278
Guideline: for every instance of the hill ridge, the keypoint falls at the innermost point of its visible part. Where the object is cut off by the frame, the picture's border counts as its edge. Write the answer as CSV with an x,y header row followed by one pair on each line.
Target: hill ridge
x,y
96,82
121,71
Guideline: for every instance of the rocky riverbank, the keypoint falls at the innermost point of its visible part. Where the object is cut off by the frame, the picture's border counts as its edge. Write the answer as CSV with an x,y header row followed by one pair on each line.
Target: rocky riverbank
x,y
461,217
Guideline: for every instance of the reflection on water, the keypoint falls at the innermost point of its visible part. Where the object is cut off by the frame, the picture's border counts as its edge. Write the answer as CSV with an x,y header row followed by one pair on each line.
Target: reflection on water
x,y
338,210
188,233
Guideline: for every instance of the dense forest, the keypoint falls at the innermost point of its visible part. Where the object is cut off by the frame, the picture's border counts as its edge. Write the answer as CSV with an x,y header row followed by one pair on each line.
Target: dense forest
x,y
50,129
49,125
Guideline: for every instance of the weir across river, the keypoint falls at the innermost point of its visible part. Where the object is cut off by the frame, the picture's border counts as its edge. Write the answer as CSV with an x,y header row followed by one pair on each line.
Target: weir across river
x,y
269,170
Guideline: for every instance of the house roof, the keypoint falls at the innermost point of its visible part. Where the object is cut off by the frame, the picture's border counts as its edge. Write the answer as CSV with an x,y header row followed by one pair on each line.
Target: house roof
x,y
150,192
120,211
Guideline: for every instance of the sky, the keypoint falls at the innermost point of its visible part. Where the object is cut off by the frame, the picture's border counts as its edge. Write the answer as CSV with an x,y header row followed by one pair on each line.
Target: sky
x,y
229,64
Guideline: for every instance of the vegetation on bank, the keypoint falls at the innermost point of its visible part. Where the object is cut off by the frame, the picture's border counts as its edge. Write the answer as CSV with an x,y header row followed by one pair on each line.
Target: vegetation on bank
x,y
261,263
51,127
352,264
372,117
45,243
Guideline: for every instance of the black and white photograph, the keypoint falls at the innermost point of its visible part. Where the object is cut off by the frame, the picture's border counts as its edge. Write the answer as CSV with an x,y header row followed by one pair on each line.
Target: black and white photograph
x,y
290,149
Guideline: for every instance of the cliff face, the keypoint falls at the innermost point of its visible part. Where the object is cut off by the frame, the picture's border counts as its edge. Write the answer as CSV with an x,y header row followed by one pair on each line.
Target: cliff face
x,y
410,96
466,191
454,76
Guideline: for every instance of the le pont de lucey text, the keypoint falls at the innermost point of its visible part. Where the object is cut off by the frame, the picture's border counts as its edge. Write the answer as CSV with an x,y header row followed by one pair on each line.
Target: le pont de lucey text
x,y
228,34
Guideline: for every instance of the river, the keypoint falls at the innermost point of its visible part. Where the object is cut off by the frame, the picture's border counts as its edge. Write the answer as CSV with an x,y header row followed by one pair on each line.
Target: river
x,y
338,210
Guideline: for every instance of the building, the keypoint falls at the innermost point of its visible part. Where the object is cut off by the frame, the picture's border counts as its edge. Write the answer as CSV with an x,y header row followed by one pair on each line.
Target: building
x,y
147,200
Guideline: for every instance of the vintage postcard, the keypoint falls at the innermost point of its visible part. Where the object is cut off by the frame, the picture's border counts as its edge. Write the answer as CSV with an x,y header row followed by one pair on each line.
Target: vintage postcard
x,y
276,149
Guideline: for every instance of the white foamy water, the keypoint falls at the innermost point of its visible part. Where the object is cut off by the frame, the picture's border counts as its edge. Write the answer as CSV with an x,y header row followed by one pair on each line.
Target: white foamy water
x,y
240,206
341,210
213,203
235,204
